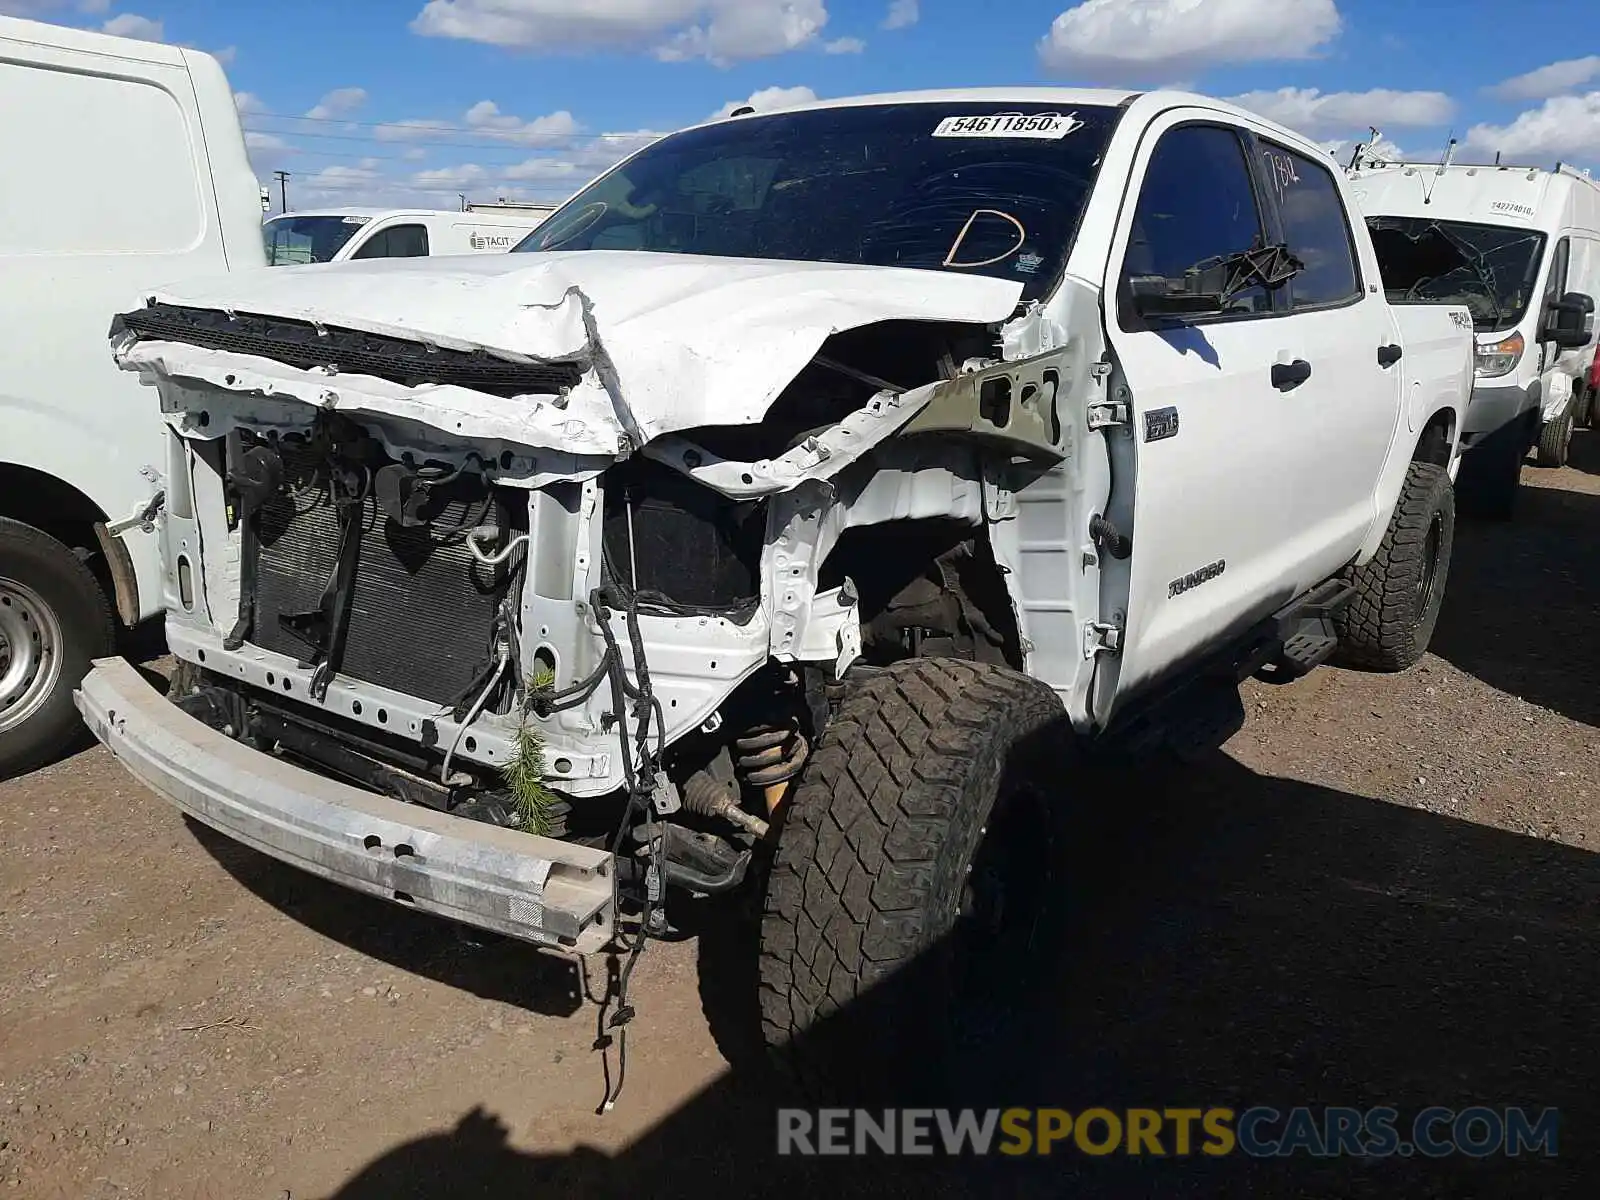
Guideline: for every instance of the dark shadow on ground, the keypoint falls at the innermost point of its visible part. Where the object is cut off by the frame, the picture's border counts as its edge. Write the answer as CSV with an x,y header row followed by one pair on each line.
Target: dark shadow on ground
x,y
1233,940
1522,607
1585,453
494,968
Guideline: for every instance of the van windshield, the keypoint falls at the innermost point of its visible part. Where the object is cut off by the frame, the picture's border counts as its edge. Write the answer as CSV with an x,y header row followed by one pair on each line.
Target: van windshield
x,y
1490,269
985,188
293,239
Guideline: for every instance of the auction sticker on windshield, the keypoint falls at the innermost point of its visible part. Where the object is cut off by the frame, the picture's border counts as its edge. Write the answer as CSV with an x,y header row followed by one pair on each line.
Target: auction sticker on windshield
x,y
1044,126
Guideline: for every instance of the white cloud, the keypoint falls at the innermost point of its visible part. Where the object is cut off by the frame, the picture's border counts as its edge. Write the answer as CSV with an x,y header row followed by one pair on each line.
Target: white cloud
x,y
254,139
132,25
1566,127
449,179
1317,114
340,102
1145,40
249,104
226,55
902,14
1553,80
413,129
486,119
719,30
768,99
845,45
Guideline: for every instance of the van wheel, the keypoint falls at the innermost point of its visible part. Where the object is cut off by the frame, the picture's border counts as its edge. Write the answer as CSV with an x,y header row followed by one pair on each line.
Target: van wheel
x,y
911,872
1555,439
54,621
1389,623
1583,413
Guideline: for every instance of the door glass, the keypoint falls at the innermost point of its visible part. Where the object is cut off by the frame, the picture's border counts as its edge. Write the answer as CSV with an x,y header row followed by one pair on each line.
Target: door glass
x,y
1197,205
1315,227
1557,283
398,241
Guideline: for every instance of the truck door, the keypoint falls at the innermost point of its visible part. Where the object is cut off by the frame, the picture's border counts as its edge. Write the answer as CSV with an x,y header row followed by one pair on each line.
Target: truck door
x,y
1342,327
1231,488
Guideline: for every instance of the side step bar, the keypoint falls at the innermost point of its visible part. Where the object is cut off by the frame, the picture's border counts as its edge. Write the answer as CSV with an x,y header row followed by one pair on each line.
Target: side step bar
x,y
1201,714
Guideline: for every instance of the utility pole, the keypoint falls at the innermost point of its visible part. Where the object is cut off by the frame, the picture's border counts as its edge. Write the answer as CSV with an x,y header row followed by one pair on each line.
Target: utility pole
x,y
462,196
283,189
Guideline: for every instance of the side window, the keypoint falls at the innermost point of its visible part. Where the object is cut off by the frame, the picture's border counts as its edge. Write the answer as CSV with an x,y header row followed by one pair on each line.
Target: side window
x,y
1315,226
1557,283
398,241
1197,203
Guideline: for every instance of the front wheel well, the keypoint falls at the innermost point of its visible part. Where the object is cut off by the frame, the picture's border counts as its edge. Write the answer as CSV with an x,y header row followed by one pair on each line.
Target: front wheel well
x,y
41,501
927,588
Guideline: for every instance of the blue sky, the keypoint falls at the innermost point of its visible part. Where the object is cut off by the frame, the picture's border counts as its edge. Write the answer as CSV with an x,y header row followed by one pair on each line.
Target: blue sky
x,y
415,101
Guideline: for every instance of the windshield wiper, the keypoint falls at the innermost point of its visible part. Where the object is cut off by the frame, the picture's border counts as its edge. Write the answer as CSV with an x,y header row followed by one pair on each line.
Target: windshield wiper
x,y
1478,261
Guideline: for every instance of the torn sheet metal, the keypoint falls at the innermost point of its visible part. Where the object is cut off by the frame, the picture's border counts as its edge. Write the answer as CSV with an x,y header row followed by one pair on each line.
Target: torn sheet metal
x,y
820,456
671,342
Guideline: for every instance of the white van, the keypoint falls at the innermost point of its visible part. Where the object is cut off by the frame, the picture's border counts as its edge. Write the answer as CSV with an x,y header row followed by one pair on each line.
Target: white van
x,y
122,166
1520,247
343,234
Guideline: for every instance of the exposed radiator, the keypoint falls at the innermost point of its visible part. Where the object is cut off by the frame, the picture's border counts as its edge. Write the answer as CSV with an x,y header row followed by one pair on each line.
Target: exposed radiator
x,y
422,610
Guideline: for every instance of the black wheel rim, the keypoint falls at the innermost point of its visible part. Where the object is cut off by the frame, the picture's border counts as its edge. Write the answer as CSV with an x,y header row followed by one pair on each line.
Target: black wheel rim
x,y
1003,905
1429,582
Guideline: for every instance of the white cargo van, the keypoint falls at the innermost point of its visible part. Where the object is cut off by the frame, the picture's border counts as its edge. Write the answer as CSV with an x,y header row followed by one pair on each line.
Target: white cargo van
x,y
1520,247
344,234
125,168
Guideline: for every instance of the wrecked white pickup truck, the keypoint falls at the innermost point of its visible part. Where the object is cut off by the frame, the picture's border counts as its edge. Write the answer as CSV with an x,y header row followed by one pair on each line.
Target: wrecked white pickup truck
x,y
771,517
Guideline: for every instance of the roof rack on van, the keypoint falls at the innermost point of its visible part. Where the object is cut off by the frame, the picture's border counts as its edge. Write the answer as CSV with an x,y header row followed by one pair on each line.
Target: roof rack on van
x,y
1384,164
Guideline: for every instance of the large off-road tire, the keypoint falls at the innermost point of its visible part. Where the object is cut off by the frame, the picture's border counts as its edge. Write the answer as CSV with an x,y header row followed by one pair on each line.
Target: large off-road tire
x,y
1389,623
1491,474
54,620
1555,439
925,816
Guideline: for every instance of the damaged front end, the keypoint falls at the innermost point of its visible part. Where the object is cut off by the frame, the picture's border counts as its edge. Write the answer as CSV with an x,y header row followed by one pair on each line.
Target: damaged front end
x,y
551,594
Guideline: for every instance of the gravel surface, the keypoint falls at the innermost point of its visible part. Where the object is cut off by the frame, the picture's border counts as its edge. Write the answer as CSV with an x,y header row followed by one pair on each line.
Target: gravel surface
x,y
1385,891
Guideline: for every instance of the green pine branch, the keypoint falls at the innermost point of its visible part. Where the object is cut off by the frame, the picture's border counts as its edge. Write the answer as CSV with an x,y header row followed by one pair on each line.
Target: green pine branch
x,y
525,773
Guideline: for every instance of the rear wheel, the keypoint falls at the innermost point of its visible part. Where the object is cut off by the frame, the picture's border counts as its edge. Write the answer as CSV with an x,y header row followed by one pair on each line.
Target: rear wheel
x,y
1583,414
1389,623
913,866
1555,439
54,621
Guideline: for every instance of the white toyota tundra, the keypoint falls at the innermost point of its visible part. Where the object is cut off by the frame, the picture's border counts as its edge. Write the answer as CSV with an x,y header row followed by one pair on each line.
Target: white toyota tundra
x,y
781,514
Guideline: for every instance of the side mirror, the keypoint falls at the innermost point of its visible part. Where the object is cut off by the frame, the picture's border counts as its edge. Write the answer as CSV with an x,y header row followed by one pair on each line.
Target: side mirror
x,y
1156,296
1569,321
1209,288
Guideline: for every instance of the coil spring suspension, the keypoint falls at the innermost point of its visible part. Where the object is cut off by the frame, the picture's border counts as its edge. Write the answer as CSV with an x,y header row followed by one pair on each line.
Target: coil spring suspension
x,y
771,755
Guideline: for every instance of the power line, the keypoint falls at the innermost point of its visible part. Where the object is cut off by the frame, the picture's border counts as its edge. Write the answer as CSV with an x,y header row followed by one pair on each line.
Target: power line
x,y
504,145
428,125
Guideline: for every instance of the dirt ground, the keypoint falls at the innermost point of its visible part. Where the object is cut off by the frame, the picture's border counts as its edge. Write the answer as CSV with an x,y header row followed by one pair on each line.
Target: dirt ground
x,y
1386,891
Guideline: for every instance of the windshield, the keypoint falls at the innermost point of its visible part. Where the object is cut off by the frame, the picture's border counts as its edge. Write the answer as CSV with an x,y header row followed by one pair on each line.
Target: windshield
x,y
1490,269
985,188
307,239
